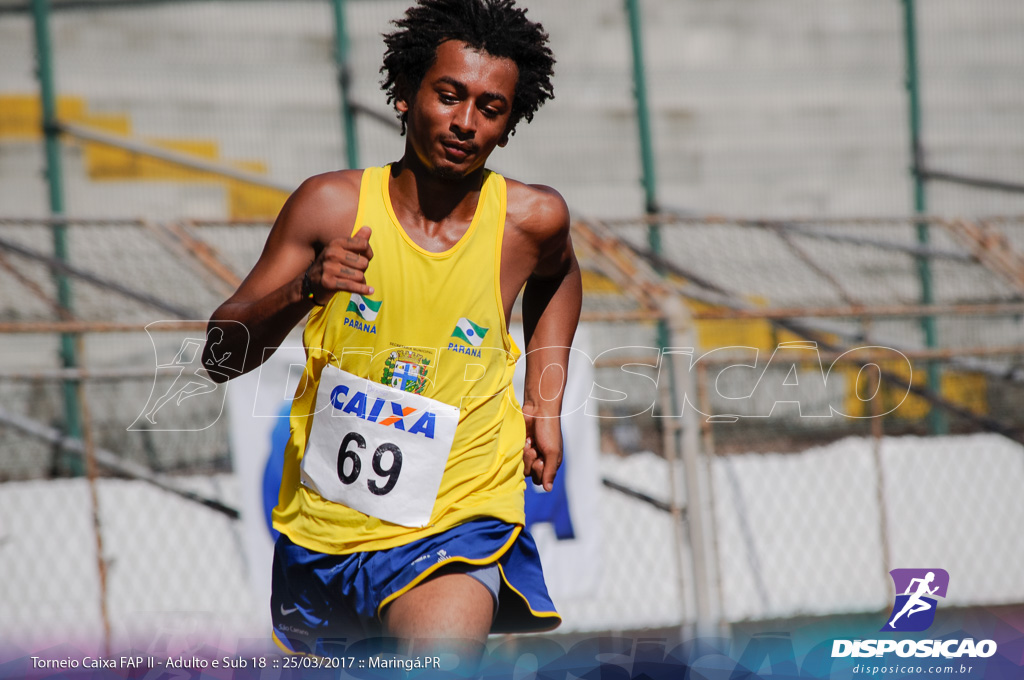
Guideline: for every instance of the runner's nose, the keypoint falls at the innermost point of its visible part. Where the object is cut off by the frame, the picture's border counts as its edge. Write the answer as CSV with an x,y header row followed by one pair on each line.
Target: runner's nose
x,y
464,120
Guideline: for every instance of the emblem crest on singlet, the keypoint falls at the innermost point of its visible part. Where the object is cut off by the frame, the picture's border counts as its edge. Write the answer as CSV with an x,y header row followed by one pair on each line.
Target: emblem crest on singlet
x,y
407,370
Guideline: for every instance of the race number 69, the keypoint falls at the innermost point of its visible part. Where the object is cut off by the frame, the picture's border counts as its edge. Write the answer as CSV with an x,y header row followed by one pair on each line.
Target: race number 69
x,y
348,457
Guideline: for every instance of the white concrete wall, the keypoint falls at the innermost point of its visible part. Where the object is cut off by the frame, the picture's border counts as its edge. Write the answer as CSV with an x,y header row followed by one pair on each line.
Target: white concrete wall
x,y
790,107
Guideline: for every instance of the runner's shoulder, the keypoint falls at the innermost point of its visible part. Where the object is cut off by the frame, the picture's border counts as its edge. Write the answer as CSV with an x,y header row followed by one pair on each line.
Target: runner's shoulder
x,y
331,189
324,206
537,210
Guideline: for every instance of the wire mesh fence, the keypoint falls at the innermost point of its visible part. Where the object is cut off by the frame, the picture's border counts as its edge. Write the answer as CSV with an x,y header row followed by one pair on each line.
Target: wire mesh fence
x,y
796,464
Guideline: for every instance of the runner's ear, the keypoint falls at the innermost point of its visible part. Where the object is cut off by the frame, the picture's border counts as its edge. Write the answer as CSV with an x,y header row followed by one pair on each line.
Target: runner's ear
x,y
404,97
509,131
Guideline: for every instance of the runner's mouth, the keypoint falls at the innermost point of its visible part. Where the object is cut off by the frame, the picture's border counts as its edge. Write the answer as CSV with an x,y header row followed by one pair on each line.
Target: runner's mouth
x,y
457,150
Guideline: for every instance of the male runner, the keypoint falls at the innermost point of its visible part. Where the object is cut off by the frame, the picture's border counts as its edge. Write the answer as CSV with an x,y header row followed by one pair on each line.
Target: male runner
x,y
401,507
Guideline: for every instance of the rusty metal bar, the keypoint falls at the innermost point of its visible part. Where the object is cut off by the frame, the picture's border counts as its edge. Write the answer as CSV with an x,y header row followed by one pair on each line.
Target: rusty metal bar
x,y
21,327
913,355
35,288
991,248
739,220
228,222
915,250
719,359
78,374
970,180
109,460
96,326
71,221
861,311
201,256
631,273
642,314
822,273
639,495
62,267
640,220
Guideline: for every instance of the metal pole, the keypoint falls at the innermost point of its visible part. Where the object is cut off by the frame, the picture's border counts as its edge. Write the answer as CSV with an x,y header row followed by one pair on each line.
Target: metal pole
x,y
677,504
647,161
876,454
649,178
683,432
643,116
936,418
348,113
708,442
55,181
697,478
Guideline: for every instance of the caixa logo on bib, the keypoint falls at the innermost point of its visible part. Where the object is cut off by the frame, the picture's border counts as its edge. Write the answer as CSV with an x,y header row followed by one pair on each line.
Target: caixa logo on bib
x,y
384,412
913,611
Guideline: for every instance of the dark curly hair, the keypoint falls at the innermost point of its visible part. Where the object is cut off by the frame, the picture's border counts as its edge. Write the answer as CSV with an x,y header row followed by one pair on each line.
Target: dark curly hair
x,y
497,27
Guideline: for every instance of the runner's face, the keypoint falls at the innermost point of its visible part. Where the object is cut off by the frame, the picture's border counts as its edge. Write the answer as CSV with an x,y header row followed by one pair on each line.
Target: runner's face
x,y
461,111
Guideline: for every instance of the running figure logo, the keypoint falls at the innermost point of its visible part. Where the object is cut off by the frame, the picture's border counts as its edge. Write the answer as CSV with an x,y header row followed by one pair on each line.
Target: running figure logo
x,y
914,609
181,367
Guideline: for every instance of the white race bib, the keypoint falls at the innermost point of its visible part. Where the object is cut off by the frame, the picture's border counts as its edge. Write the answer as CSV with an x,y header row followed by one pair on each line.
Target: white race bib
x,y
377,449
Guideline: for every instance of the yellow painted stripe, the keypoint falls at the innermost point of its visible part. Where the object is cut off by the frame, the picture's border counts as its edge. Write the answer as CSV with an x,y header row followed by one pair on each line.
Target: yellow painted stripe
x,y
419,579
248,202
596,282
21,114
21,119
114,123
107,163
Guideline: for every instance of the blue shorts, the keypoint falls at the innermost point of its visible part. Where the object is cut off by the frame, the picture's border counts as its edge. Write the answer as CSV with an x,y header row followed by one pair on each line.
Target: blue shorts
x,y
319,600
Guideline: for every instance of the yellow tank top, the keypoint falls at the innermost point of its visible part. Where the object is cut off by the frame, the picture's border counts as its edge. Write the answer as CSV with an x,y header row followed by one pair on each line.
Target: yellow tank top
x,y
435,325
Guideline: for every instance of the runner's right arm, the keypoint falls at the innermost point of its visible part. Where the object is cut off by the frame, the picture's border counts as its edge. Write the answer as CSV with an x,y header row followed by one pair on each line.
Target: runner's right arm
x,y
312,233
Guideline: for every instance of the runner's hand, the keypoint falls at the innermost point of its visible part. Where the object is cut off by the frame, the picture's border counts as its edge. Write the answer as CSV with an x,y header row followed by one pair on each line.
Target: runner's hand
x,y
341,266
542,454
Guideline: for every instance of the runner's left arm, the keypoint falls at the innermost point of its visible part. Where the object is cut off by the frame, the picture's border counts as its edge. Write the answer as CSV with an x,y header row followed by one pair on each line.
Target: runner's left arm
x,y
551,311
